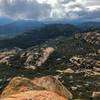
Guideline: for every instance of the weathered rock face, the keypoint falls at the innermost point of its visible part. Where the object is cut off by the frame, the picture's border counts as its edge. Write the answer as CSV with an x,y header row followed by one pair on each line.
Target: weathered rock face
x,y
47,87
35,95
4,58
38,58
19,84
52,84
46,53
7,54
29,58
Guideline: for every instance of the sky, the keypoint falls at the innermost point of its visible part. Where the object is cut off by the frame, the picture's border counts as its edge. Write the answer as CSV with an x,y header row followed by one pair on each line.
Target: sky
x,y
51,9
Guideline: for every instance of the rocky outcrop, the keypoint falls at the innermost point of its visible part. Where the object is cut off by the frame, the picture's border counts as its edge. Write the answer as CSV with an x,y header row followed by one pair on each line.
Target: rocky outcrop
x,y
35,95
98,64
69,71
52,84
38,87
96,95
4,59
19,84
29,58
66,71
93,38
39,58
85,61
7,54
46,53
76,60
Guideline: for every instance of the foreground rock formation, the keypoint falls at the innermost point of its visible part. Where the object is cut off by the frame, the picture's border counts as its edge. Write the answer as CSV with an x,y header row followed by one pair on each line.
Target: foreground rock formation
x,y
35,95
44,88
52,84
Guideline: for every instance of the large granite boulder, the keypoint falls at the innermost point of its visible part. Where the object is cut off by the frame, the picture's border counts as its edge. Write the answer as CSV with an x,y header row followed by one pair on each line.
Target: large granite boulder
x,y
19,86
52,84
35,95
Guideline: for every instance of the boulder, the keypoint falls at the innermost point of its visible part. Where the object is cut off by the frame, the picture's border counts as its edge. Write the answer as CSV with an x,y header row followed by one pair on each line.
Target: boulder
x,y
48,83
69,71
96,69
52,84
97,64
19,84
74,88
35,95
31,67
98,51
96,95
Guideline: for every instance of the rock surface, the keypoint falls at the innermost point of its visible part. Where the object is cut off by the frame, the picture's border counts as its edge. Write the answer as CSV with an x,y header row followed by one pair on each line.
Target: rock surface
x,y
69,71
46,53
52,84
29,58
49,84
35,95
93,38
96,95
19,84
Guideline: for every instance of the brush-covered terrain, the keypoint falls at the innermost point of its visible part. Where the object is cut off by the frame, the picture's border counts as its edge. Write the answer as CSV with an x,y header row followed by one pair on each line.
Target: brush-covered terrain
x,y
73,60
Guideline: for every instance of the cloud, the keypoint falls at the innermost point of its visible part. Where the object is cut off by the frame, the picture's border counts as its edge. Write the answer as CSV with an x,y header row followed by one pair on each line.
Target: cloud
x,y
24,9
82,10
53,9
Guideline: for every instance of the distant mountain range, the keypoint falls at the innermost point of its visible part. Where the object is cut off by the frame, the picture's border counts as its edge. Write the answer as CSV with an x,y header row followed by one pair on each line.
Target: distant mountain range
x,y
17,27
10,28
90,25
39,35
4,21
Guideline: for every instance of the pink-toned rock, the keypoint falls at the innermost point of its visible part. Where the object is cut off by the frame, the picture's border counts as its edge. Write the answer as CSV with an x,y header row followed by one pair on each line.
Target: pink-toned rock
x,y
46,53
35,95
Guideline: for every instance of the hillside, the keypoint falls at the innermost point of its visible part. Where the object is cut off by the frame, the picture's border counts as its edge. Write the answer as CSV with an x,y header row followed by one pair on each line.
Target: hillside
x,y
73,60
89,25
17,27
38,36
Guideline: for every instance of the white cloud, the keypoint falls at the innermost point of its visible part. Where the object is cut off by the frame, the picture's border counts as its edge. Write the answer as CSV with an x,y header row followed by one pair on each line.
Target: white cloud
x,y
44,9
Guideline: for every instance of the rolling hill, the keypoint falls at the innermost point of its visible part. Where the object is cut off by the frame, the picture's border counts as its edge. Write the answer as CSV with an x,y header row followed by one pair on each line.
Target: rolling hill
x,y
17,27
39,35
